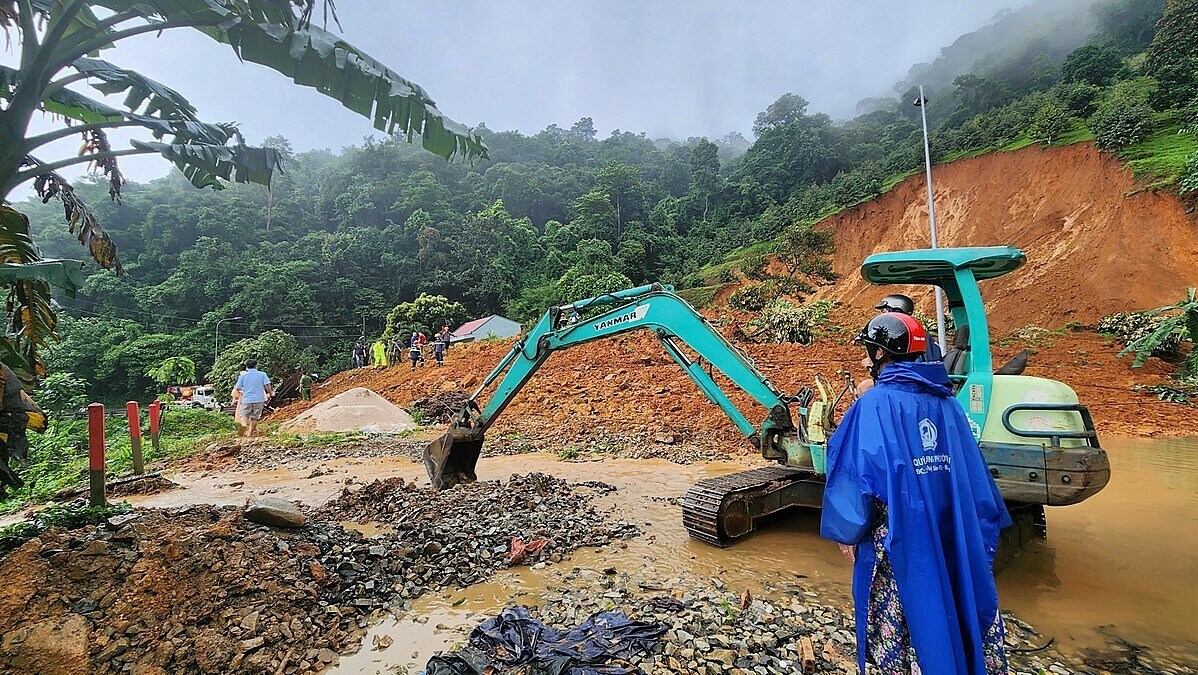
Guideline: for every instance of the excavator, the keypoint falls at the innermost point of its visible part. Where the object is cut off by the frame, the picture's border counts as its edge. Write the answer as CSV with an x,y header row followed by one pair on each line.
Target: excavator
x,y
1038,440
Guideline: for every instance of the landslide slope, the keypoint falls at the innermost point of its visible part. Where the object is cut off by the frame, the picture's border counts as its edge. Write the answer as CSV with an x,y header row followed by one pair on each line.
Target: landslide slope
x,y
1095,245
1096,242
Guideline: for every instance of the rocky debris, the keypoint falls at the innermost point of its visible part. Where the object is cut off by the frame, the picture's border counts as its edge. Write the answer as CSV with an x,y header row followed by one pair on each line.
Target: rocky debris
x,y
680,446
192,590
358,409
713,629
463,535
441,407
150,485
282,452
204,589
275,512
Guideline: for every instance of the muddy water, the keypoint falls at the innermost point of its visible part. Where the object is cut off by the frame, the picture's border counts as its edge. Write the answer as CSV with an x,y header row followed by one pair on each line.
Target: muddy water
x,y
1124,563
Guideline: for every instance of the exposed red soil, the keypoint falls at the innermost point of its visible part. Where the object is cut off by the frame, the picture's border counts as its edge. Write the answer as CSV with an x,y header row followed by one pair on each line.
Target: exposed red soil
x,y
591,393
1095,244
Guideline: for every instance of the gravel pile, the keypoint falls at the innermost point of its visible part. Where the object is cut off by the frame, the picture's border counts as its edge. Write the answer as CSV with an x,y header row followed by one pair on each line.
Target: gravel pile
x,y
277,453
462,535
358,409
679,447
715,630
442,407
204,590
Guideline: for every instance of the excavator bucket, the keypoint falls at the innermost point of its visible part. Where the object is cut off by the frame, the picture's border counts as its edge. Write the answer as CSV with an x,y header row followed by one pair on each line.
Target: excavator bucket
x,y
451,458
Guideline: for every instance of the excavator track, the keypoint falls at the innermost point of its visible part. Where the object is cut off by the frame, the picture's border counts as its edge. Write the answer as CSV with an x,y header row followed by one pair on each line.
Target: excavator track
x,y
719,510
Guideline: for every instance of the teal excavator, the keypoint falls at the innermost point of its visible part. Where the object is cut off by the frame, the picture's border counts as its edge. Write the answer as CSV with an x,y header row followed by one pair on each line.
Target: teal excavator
x,y
1038,440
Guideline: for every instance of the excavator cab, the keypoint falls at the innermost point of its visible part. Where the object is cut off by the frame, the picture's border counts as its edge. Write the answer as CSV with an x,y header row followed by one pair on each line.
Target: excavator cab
x,y
1038,439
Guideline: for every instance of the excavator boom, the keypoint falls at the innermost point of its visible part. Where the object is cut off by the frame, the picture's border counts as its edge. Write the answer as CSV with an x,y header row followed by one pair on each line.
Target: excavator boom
x,y
452,457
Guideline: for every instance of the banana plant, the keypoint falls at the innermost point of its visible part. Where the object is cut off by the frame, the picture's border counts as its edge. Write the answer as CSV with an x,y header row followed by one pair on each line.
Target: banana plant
x,y
59,44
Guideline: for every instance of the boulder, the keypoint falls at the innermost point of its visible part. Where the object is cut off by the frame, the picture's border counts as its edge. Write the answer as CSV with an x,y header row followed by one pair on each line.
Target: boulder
x,y
275,512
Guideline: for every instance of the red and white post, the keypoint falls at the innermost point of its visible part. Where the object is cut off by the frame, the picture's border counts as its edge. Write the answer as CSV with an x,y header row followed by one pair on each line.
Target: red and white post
x,y
134,415
155,412
95,440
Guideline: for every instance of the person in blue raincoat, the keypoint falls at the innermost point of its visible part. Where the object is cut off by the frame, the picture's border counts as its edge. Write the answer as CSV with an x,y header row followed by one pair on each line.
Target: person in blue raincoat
x,y
912,503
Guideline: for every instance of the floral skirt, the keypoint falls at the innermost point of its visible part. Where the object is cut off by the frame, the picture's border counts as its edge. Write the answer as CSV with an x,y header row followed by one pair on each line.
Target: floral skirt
x,y
888,641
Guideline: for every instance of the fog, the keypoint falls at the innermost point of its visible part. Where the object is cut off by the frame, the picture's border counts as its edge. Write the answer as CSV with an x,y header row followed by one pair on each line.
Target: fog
x,y
669,68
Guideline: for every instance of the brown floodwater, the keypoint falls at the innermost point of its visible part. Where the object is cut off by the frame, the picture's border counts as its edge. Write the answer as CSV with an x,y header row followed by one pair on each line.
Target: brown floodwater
x,y
1122,564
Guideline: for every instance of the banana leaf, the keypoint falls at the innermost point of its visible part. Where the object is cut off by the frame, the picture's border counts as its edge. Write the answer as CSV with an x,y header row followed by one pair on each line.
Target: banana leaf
x,y
269,33
31,317
203,164
160,100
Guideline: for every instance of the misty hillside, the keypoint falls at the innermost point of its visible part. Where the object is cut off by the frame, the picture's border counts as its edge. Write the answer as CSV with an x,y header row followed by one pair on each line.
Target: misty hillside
x,y
564,214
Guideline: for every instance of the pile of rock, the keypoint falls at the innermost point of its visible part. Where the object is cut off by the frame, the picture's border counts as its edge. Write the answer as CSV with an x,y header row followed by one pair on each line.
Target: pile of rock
x,y
442,407
711,629
717,630
462,535
266,588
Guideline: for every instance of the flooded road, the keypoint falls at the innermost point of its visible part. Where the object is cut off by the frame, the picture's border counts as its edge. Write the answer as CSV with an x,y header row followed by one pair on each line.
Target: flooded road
x,y
1122,564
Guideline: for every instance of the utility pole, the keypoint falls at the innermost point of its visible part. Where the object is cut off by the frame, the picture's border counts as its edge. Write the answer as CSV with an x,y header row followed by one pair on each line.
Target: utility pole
x,y
216,351
921,103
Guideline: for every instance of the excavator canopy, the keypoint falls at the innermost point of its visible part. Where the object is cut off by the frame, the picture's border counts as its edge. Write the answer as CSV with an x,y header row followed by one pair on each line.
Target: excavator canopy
x,y
936,266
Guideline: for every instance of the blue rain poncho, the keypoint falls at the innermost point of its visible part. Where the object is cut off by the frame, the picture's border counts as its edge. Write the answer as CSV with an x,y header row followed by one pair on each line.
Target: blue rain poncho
x,y
905,448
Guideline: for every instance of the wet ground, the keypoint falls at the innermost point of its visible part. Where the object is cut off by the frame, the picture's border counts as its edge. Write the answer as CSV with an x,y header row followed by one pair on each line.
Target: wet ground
x,y
1121,565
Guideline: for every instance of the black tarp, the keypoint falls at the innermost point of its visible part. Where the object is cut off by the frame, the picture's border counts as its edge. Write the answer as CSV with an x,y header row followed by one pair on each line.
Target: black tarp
x,y
514,643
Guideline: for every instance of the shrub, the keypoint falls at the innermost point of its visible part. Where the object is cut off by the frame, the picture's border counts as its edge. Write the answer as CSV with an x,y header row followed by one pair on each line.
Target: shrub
x,y
754,267
1129,327
752,298
1189,176
781,321
1121,122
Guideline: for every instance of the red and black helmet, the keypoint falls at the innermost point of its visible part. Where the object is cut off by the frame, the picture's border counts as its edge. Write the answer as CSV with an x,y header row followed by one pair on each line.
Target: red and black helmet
x,y
897,334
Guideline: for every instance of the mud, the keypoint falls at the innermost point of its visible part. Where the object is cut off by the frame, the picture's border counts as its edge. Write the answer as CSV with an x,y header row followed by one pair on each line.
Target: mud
x,y
1112,586
1092,235
1117,567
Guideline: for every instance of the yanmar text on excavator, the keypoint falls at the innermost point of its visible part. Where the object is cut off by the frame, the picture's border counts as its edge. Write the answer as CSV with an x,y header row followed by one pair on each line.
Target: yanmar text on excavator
x,y
1038,440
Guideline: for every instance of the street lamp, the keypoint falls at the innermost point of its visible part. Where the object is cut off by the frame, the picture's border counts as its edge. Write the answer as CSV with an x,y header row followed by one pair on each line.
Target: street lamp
x,y
216,352
921,103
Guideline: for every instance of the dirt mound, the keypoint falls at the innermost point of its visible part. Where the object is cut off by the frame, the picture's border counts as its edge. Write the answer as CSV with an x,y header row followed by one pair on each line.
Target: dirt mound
x,y
1095,240
358,409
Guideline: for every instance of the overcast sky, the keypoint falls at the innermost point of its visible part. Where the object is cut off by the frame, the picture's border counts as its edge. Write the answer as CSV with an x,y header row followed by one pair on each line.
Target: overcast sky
x,y
676,68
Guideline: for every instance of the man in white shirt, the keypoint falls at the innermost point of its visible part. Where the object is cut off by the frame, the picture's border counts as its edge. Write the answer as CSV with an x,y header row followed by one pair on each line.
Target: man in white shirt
x,y
253,386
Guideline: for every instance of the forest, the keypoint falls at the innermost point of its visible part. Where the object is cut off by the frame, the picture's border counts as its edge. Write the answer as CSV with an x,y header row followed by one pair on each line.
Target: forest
x,y
343,238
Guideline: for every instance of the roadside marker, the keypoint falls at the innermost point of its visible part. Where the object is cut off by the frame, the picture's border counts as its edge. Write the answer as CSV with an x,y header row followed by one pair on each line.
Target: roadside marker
x,y
95,437
134,415
155,412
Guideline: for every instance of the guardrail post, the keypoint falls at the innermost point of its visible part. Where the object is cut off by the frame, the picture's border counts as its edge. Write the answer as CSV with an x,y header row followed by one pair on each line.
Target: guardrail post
x,y
134,415
155,412
95,437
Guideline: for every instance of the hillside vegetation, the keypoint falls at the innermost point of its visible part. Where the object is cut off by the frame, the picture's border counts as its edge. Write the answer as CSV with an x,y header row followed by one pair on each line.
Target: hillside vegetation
x,y
344,237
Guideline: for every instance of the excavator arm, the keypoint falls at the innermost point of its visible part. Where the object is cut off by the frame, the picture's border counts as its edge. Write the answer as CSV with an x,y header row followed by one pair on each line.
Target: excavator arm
x,y
452,458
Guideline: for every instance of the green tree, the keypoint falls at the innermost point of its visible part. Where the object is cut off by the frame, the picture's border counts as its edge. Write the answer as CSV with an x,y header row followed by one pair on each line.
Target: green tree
x,y
278,355
1050,122
805,253
59,47
61,394
1173,55
1092,64
175,370
1121,122
427,313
